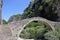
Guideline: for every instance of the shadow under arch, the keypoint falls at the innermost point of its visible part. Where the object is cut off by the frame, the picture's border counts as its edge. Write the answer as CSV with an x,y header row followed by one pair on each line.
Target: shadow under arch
x,y
44,22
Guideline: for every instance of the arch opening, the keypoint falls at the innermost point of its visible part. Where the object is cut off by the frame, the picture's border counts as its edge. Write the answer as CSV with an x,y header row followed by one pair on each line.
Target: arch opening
x,y
33,28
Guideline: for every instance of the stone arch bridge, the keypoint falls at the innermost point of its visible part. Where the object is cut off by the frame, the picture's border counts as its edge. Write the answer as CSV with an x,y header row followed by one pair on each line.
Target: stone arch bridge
x,y
13,29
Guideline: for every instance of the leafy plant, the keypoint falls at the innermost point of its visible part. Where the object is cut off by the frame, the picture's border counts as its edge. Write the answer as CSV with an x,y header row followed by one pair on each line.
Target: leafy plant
x,y
32,29
41,8
5,22
53,35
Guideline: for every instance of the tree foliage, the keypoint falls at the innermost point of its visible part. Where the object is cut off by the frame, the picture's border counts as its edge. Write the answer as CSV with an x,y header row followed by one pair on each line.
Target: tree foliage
x,y
4,22
15,18
42,8
53,35
32,29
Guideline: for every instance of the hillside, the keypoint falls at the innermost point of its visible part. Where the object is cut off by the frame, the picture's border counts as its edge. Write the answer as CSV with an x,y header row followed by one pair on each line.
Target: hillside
x,y
48,9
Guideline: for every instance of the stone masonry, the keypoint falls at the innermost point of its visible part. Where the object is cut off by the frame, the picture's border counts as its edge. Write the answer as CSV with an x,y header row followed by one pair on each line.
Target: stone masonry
x,y
13,29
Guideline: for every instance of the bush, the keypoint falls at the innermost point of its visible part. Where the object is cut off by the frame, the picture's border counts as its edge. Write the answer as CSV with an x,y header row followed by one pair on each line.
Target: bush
x,y
5,22
39,31
32,29
53,35
41,7
36,1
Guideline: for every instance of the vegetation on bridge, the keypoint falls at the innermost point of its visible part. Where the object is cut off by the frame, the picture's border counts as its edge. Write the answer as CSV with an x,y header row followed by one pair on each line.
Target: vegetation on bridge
x,y
39,31
32,29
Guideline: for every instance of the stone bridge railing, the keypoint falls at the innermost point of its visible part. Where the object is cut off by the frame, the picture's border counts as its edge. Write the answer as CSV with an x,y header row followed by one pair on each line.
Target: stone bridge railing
x,y
13,29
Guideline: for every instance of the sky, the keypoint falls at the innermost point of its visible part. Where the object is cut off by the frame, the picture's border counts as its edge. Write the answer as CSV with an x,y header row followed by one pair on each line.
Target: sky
x,y
13,7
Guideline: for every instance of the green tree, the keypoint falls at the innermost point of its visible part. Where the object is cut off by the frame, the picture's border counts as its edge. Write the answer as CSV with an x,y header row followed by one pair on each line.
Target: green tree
x,y
42,8
4,22
15,17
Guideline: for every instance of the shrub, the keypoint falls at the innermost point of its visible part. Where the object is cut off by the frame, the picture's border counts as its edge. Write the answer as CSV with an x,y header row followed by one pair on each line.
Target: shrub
x,y
32,29
41,7
53,35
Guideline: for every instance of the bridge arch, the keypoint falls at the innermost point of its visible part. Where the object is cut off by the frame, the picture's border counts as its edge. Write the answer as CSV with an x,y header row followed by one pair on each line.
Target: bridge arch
x,y
19,25
44,21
